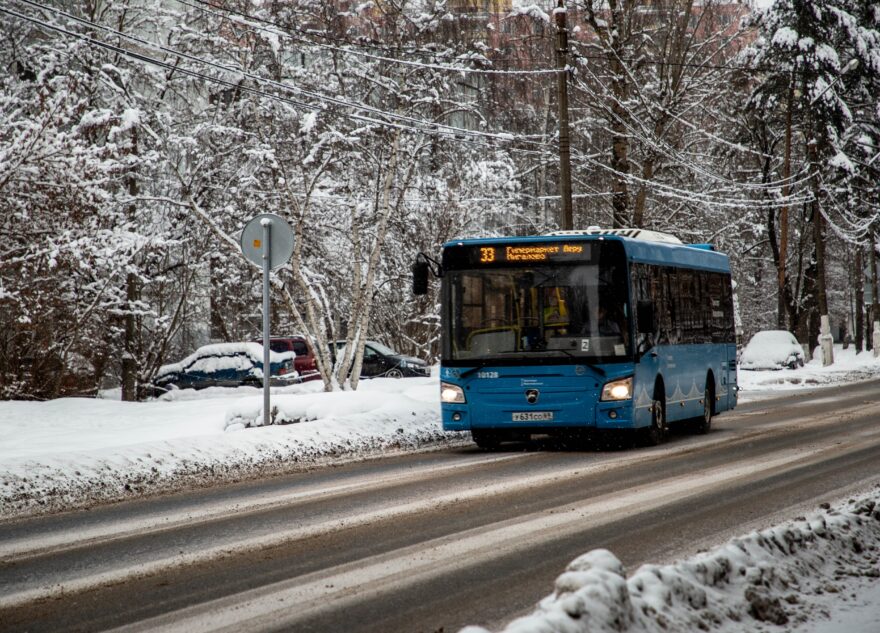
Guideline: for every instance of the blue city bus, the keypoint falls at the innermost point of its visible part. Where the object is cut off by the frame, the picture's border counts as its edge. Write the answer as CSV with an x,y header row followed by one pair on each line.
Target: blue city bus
x,y
575,332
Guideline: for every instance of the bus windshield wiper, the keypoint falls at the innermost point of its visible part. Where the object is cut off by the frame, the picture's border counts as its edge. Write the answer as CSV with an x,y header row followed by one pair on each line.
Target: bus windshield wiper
x,y
468,372
594,366
527,355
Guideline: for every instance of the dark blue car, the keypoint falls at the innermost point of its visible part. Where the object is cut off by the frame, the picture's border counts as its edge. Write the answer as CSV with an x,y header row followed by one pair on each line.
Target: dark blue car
x,y
225,365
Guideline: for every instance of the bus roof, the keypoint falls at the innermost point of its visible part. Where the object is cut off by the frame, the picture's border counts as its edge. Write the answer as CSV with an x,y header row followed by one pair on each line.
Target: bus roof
x,y
644,250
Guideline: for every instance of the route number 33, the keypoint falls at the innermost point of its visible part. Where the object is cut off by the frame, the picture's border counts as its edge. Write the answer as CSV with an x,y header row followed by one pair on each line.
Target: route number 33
x,y
487,255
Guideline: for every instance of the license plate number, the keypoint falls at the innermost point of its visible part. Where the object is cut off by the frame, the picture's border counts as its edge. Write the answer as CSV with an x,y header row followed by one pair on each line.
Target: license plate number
x,y
533,416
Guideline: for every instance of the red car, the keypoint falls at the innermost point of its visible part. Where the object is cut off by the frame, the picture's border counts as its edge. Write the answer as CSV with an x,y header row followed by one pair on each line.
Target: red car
x,y
304,363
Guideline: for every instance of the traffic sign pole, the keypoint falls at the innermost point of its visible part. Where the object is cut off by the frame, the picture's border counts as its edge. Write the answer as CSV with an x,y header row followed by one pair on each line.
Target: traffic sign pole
x,y
266,223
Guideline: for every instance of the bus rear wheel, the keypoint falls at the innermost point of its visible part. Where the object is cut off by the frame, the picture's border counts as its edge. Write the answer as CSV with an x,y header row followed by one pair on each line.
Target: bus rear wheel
x,y
486,440
704,423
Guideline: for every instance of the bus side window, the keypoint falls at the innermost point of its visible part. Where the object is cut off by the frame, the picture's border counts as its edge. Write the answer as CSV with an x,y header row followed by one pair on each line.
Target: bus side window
x,y
645,297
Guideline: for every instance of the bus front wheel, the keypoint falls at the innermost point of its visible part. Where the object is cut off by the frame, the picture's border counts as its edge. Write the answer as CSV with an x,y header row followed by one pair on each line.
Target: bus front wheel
x,y
654,434
486,440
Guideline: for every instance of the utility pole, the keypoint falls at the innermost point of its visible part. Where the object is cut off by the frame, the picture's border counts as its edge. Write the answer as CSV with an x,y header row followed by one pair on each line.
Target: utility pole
x,y
559,13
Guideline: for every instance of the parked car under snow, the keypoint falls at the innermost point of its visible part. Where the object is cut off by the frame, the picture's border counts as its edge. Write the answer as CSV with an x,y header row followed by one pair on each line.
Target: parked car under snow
x,y
226,365
772,349
381,360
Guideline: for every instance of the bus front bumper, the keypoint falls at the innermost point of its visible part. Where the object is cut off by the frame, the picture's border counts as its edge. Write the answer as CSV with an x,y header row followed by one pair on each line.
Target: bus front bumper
x,y
603,415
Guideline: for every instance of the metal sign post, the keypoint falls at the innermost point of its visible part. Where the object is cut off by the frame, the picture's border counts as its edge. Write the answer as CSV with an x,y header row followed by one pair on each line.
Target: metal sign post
x,y
266,223
267,242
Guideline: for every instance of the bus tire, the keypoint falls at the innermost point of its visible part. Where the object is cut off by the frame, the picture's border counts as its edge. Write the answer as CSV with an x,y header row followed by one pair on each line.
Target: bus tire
x,y
704,423
654,434
486,440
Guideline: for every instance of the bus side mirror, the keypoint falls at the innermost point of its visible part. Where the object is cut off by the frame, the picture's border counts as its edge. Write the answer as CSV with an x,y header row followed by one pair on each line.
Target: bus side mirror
x,y
420,277
645,316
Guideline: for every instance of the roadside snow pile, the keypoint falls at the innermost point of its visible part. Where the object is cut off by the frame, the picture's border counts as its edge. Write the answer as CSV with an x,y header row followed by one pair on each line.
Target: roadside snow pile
x,y
847,367
781,576
75,452
381,401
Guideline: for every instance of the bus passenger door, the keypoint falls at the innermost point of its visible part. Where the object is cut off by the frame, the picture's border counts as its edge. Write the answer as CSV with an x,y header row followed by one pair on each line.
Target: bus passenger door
x,y
650,362
732,382
648,367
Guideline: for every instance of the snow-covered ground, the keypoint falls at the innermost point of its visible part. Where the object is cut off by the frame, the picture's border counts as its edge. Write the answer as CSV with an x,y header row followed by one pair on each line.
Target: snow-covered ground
x,y
817,574
848,367
75,452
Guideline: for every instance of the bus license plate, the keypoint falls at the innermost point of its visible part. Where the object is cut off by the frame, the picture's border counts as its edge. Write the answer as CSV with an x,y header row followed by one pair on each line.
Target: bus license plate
x,y
533,416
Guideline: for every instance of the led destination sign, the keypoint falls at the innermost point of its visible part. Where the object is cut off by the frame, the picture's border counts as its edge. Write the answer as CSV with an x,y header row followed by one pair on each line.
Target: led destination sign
x,y
537,253
501,254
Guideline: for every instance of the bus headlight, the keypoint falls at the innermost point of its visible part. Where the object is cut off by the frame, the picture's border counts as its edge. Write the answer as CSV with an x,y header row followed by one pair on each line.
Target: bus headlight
x,y
618,389
452,394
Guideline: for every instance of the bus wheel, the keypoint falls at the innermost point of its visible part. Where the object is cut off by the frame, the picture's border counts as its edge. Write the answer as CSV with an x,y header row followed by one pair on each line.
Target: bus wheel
x,y
487,440
655,433
704,423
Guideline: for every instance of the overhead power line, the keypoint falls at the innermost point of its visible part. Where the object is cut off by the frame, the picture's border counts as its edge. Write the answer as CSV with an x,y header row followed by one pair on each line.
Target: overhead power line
x,y
212,8
397,121
278,30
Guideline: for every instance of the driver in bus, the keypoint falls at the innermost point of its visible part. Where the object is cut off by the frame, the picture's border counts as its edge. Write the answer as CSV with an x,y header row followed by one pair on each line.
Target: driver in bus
x,y
607,326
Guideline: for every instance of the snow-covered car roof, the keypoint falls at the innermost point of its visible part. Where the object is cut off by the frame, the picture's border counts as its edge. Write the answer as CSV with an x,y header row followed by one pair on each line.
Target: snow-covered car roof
x,y
231,351
771,349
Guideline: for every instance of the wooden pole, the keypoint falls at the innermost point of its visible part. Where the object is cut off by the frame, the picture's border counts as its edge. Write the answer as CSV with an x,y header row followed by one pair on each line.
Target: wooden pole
x,y
566,220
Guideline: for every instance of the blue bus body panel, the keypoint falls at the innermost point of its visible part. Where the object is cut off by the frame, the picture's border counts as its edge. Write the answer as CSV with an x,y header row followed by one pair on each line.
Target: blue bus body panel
x,y
684,370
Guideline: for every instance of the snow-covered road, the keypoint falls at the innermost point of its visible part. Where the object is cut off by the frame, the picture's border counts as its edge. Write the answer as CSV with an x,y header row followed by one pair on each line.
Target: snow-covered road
x,y
79,452
410,541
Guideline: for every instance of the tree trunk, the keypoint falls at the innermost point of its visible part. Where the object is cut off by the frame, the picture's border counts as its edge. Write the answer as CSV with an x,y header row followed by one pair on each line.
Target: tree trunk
x,y
132,295
364,323
620,166
638,220
875,301
860,301
783,212
819,236
825,340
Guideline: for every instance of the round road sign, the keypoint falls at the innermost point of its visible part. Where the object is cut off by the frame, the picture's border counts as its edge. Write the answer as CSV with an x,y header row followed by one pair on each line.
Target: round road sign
x,y
280,240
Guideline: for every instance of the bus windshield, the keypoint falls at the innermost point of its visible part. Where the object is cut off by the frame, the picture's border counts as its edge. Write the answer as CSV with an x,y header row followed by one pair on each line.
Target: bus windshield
x,y
564,310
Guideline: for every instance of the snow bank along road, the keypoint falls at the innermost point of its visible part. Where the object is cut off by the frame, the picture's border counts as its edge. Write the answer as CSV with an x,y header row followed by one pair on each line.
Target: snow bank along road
x,y
433,541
